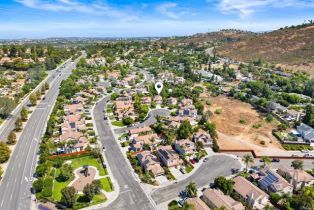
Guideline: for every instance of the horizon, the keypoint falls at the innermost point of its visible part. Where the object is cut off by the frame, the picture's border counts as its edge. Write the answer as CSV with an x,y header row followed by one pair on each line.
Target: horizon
x,y
42,19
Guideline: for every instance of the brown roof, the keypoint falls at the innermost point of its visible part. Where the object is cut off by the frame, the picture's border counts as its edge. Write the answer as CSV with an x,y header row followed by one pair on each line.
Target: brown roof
x,y
297,174
219,199
247,189
140,130
197,203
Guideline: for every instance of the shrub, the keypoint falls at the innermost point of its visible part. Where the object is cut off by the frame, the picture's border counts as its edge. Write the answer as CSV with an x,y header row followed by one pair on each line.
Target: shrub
x,y
218,111
242,121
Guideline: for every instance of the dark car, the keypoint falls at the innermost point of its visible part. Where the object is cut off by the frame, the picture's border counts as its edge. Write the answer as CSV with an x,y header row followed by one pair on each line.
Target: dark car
x,y
275,160
105,118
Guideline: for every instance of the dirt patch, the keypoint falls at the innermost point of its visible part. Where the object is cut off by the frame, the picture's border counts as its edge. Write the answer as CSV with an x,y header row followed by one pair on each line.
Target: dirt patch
x,y
240,126
82,180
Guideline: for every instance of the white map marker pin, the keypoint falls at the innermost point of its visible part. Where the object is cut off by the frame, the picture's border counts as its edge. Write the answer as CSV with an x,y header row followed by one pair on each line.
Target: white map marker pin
x,y
158,87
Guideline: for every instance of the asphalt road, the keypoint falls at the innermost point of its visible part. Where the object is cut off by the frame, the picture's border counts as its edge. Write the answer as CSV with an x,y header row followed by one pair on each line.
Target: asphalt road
x,y
15,186
149,121
131,195
217,165
8,125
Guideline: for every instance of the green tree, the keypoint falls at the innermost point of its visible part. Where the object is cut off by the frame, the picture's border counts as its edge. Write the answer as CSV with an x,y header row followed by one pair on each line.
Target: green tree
x,y
185,130
266,161
88,192
11,138
127,121
247,159
38,185
33,99
309,115
188,206
96,184
297,164
18,124
6,107
68,196
173,205
225,185
1,172
66,172
46,85
24,114
191,190
4,152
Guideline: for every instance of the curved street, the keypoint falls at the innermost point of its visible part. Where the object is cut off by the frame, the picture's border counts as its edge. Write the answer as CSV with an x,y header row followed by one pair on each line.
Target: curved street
x,y
217,165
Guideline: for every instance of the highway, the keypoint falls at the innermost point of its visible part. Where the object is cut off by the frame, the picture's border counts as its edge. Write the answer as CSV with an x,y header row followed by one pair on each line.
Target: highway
x,y
8,124
131,195
15,186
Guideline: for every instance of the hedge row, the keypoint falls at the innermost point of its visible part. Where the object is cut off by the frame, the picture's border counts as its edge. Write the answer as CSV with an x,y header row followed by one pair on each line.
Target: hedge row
x,y
70,155
48,184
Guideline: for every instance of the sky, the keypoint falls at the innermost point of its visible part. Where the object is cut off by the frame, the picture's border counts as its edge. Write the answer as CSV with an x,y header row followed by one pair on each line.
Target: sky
x,y
127,18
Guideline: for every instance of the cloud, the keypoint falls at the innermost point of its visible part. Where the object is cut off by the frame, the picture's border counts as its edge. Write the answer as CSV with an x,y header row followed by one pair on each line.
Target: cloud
x,y
247,7
166,9
93,8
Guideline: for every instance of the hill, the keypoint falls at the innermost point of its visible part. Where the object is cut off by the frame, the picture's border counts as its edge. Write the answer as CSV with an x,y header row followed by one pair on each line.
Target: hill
x,y
222,36
291,47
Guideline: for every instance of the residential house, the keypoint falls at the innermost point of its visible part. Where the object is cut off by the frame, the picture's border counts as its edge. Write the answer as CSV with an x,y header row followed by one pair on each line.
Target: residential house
x,y
197,203
217,199
158,99
168,156
306,132
139,131
172,101
254,197
271,181
189,111
275,107
203,137
138,142
185,147
146,100
150,163
297,177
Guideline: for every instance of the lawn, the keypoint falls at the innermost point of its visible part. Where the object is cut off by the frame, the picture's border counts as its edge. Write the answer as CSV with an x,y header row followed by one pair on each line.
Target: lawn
x,y
106,184
76,163
82,202
79,162
117,123
58,186
188,168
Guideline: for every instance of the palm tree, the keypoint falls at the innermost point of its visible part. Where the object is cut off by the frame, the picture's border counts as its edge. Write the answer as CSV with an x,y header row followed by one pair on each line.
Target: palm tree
x,y
266,161
247,160
191,190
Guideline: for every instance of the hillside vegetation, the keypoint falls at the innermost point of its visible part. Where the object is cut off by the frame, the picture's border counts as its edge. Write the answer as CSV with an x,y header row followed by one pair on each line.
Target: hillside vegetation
x,y
292,47
223,36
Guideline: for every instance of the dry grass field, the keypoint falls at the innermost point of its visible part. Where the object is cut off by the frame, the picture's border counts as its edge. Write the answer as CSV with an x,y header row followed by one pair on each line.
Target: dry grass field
x,y
239,126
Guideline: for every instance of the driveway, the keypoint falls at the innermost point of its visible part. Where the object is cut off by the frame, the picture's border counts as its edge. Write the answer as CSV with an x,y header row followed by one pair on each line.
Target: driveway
x,y
217,165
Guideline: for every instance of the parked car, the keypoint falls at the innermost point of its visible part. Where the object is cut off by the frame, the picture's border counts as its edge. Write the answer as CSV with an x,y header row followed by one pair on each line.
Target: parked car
x,y
305,151
103,149
234,170
105,118
182,170
205,160
275,160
